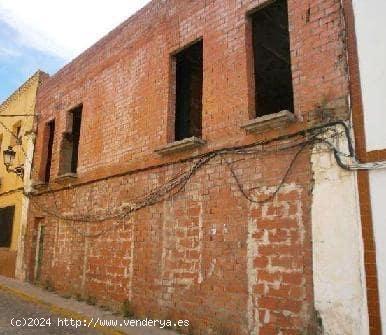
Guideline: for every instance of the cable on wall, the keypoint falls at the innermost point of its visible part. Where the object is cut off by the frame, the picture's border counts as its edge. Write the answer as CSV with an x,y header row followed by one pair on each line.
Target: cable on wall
x,y
300,140
177,183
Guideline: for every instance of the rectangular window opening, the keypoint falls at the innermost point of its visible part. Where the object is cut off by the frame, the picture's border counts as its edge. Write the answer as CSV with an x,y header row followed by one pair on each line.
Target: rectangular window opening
x,y
50,134
15,137
70,143
272,59
6,226
76,123
189,88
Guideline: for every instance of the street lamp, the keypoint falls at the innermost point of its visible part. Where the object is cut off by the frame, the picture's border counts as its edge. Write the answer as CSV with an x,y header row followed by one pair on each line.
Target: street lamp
x,y
9,157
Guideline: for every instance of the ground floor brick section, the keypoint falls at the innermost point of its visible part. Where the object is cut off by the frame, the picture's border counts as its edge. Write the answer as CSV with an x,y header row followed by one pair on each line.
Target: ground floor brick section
x,y
208,254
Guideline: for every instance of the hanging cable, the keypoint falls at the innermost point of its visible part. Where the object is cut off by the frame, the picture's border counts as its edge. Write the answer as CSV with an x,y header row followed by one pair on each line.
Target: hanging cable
x,y
323,134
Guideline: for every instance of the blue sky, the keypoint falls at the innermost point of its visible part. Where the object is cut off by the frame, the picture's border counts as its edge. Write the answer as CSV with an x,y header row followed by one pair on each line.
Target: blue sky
x,y
47,34
18,62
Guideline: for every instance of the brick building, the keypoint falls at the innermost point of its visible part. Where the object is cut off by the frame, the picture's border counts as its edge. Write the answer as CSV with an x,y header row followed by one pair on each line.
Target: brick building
x,y
185,164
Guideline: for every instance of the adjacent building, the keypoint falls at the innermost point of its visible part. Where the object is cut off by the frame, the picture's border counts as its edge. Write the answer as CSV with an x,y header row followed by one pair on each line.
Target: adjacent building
x,y
201,162
17,132
367,52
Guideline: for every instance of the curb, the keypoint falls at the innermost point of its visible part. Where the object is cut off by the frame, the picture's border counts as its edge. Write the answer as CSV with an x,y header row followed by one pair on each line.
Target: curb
x,y
59,310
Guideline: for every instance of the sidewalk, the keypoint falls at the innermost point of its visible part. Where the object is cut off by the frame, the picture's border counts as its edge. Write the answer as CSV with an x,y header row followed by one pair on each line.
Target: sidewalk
x,y
70,308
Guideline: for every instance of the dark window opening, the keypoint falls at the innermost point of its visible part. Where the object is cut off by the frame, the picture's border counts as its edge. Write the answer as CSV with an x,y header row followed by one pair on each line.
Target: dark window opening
x,y
50,134
76,123
15,137
6,226
272,59
189,87
70,143
18,129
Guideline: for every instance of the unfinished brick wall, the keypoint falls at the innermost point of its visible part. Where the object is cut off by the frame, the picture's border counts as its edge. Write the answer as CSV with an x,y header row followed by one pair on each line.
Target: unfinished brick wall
x,y
207,254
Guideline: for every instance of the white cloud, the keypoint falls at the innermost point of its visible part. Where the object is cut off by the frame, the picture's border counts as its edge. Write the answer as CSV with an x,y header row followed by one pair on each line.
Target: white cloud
x,y
9,52
65,28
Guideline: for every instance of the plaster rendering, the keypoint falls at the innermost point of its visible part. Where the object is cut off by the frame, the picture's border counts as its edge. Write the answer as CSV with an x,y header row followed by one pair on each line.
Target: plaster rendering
x,y
338,269
20,110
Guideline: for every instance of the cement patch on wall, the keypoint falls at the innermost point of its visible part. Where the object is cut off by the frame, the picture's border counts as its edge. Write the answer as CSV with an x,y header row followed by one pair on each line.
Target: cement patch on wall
x,y
339,279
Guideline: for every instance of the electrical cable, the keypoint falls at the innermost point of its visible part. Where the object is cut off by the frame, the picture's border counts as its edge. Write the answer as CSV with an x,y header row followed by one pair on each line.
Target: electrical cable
x,y
176,184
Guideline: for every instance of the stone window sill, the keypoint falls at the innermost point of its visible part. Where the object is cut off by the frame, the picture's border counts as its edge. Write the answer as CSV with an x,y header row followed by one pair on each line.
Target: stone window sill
x,y
183,145
269,122
67,177
39,185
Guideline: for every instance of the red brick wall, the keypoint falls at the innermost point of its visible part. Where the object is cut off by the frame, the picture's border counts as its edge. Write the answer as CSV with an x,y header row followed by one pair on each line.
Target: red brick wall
x,y
207,255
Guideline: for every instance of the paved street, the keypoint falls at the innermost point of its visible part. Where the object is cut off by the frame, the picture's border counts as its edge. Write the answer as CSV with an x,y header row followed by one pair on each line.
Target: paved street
x,y
14,307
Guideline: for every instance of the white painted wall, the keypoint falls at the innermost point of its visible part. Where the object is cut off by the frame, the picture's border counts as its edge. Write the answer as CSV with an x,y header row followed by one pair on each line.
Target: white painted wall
x,y
370,25
378,204
338,268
